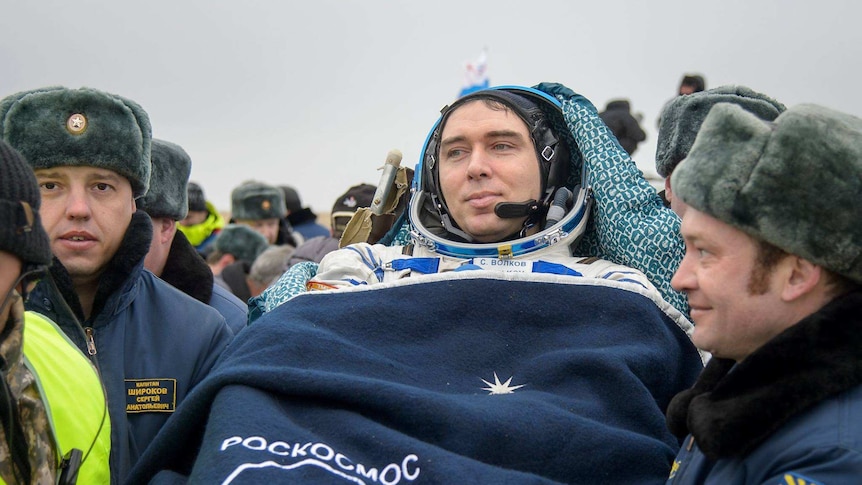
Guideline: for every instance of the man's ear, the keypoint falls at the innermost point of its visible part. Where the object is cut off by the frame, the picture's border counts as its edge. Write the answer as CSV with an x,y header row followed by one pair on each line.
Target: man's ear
x,y
226,259
802,276
165,228
668,193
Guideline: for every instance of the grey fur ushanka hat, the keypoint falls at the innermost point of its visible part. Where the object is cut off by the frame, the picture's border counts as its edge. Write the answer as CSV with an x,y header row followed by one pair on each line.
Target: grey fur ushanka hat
x,y
168,194
57,126
794,182
254,201
682,117
243,242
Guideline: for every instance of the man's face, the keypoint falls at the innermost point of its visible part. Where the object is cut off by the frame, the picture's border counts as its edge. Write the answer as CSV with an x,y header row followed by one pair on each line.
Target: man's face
x,y
486,157
164,229
266,227
85,211
194,218
10,270
676,204
686,89
731,321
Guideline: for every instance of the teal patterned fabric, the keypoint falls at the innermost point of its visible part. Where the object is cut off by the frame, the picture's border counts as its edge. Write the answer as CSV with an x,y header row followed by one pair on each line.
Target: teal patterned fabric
x,y
289,285
629,225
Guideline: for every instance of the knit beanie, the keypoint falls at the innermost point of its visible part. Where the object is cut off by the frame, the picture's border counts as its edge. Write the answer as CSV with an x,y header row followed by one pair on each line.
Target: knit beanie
x,y
794,182
197,200
682,116
167,197
57,126
253,201
21,231
291,199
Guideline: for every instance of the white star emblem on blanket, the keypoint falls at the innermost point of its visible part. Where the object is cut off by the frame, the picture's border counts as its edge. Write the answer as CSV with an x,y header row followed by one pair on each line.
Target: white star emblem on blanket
x,y
500,387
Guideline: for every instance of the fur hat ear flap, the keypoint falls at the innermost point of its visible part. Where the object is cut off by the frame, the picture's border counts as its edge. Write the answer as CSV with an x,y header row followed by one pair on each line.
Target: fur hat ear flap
x,y
168,194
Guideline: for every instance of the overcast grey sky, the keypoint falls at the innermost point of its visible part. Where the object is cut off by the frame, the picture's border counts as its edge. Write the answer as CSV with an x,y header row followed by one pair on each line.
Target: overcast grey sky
x,y
314,94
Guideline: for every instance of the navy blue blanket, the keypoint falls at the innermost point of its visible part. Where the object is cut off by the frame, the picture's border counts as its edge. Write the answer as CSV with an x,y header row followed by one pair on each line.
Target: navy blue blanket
x,y
457,379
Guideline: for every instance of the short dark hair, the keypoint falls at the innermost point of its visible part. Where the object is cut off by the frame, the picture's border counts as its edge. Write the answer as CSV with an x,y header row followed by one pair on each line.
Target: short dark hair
x,y
768,255
696,81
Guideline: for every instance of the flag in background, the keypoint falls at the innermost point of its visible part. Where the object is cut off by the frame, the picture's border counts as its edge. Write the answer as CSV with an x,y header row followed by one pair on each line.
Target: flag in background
x,y
476,75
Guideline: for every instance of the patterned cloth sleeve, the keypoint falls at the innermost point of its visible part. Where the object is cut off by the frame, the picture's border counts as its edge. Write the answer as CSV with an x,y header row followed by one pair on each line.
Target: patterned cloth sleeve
x,y
630,224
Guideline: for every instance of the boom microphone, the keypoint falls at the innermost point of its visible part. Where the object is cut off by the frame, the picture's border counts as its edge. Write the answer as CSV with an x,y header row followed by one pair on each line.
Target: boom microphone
x,y
384,187
515,210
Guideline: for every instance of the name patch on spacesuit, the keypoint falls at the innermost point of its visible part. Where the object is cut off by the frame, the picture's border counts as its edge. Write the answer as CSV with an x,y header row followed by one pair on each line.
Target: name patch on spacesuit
x,y
151,395
505,265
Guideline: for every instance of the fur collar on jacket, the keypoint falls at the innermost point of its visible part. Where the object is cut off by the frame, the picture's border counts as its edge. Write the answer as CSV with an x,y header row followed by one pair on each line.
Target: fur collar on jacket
x,y
187,271
730,413
127,262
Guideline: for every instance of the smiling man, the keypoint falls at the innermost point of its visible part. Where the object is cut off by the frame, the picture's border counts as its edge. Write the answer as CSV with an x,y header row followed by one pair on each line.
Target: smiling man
x,y
773,274
90,152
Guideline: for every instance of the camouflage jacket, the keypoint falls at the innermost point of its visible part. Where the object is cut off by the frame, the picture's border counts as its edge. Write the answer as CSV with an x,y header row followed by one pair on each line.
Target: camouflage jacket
x,y
22,396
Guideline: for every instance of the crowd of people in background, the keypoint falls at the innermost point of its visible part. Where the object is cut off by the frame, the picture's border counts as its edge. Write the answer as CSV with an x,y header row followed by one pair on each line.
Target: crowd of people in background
x,y
705,333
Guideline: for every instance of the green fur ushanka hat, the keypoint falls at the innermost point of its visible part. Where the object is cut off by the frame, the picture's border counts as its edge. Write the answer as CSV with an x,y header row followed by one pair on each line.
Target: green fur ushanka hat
x,y
57,126
253,201
682,116
243,242
168,195
794,183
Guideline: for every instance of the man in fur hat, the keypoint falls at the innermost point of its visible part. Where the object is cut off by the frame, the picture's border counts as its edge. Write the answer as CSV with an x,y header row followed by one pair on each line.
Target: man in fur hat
x,y
773,275
234,251
171,257
682,117
262,208
90,151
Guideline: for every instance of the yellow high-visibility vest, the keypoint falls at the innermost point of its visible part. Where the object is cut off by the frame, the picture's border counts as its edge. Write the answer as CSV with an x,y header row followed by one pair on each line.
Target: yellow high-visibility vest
x,y
73,396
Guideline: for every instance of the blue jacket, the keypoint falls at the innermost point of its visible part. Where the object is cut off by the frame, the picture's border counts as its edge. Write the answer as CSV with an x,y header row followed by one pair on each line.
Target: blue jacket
x,y
187,271
234,310
305,223
790,413
151,342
